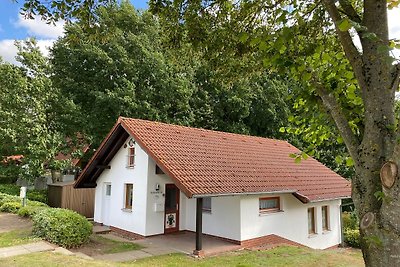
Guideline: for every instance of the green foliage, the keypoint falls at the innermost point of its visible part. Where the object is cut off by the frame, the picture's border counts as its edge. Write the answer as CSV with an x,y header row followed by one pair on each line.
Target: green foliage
x,y
29,211
31,194
8,198
350,220
124,66
11,207
37,195
352,237
63,227
31,112
10,189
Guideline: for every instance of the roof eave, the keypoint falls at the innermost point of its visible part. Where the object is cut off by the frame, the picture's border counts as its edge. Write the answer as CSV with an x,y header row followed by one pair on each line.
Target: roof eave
x,y
244,193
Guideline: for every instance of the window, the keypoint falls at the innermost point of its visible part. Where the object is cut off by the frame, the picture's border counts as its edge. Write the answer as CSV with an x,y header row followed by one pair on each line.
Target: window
x,y
158,170
325,218
131,157
269,204
108,190
311,221
128,196
207,204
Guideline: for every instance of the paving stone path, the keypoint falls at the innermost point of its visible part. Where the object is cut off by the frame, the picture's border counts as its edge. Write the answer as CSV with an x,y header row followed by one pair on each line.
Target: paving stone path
x,y
10,222
149,250
25,249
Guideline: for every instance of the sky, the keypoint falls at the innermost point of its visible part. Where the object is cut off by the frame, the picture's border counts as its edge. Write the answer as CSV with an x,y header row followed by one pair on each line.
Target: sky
x,y
14,27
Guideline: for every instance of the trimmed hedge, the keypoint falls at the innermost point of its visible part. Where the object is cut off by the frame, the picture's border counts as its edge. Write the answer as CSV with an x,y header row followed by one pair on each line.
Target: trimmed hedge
x,y
63,227
29,211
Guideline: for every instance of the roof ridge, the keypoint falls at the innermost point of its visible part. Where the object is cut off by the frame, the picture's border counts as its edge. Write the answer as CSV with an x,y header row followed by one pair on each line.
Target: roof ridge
x,y
206,130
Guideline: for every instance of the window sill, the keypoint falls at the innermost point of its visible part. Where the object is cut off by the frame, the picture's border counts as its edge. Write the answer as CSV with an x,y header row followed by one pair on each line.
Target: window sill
x,y
265,213
324,232
312,235
206,211
130,167
127,210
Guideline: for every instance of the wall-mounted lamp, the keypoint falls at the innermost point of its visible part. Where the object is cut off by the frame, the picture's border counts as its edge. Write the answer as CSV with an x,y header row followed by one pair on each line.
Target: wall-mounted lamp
x,y
157,187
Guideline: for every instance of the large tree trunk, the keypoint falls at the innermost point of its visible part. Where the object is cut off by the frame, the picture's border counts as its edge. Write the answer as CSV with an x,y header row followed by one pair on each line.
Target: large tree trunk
x,y
378,206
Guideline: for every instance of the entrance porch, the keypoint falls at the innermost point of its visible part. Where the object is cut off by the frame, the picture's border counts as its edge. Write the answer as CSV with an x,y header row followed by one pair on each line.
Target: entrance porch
x,y
185,242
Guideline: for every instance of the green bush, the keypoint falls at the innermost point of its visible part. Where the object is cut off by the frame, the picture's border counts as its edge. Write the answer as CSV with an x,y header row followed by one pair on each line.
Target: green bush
x,y
10,189
63,227
37,195
12,207
350,220
31,194
29,211
352,237
8,198
36,203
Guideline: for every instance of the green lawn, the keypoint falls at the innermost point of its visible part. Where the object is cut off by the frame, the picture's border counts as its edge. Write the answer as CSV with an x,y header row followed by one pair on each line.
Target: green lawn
x,y
281,256
17,237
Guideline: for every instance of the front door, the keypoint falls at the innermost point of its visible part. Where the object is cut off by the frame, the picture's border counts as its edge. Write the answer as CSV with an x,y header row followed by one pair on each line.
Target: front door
x,y
171,221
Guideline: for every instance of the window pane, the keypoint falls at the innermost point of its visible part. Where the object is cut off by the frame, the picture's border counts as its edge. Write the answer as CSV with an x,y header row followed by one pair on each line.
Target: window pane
x,y
108,190
170,198
325,218
269,203
207,203
311,221
128,196
131,157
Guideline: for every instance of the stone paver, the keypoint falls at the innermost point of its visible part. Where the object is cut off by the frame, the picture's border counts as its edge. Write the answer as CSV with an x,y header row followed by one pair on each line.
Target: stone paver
x,y
25,249
10,222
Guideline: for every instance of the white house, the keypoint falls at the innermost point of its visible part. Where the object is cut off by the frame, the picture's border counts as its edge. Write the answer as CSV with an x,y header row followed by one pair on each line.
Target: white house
x,y
153,178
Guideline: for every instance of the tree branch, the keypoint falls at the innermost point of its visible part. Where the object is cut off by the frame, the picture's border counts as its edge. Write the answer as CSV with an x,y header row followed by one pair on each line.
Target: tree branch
x,y
350,11
338,117
349,48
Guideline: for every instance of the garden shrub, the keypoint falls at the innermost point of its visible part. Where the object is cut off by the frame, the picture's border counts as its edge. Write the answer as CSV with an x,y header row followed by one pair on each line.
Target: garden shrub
x,y
37,195
36,203
63,227
31,194
350,220
352,237
8,198
29,211
12,207
10,189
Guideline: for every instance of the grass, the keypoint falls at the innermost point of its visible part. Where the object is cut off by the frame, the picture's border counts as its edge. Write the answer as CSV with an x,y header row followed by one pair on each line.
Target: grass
x,y
17,237
281,256
100,245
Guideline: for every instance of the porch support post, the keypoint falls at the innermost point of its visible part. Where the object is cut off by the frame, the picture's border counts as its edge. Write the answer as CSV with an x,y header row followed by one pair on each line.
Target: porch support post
x,y
199,227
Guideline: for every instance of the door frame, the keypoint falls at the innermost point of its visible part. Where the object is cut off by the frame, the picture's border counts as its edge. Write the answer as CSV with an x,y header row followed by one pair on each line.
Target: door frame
x,y
176,211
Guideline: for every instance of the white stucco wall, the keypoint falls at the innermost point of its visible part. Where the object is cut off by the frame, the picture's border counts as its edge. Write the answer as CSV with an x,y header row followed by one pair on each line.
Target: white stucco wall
x,y
155,219
291,223
118,176
223,221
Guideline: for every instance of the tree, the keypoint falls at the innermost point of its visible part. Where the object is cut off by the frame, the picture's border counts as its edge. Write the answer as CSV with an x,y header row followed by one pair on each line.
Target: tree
x,y
123,67
30,110
313,43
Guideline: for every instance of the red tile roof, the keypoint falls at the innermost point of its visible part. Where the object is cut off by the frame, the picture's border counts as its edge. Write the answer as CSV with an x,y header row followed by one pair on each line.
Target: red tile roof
x,y
204,162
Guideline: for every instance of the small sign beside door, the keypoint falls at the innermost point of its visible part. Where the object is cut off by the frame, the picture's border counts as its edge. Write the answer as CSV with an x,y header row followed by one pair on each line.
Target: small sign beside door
x,y
170,220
